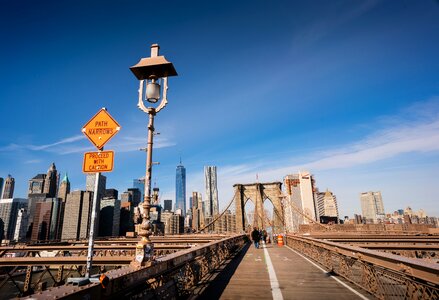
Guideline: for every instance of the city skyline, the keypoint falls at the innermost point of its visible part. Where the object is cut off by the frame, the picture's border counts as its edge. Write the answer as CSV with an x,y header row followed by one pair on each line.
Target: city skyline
x,y
349,93
89,186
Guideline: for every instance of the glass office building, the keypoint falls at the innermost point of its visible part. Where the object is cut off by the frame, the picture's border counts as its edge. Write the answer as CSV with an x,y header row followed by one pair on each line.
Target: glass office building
x,y
180,189
140,184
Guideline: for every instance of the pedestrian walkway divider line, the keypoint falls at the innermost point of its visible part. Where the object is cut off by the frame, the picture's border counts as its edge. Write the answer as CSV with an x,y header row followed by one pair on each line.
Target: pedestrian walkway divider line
x,y
275,288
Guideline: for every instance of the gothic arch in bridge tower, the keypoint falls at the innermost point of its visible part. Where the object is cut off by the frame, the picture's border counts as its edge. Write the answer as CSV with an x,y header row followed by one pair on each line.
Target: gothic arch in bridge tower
x,y
258,193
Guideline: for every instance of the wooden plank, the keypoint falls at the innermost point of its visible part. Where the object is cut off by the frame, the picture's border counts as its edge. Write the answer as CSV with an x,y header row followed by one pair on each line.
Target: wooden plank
x,y
299,279
250,280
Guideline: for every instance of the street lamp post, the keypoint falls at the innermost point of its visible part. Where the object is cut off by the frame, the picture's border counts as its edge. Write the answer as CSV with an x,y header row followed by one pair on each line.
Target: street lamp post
x,y
153,73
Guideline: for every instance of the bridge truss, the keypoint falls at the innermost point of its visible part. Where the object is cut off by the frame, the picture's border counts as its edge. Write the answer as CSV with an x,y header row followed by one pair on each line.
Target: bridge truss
x,y
169,277
32,268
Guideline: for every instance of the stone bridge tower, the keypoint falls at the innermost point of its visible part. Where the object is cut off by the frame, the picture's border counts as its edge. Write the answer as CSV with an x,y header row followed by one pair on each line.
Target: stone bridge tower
x,y
258,193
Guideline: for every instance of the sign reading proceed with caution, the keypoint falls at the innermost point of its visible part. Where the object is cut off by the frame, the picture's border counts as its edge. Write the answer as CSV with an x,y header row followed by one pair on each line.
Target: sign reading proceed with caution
x,y
101,161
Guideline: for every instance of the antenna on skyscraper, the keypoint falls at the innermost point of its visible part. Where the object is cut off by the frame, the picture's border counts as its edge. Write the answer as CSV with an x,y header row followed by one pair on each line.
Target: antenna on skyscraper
x,y
180,160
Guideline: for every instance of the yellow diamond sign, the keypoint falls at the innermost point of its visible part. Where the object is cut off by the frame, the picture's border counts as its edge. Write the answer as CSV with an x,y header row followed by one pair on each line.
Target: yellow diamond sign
x,y
101,128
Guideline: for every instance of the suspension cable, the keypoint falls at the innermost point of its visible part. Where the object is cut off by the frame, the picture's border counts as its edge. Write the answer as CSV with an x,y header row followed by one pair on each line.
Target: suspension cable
x,y
217,217
291,203
299,211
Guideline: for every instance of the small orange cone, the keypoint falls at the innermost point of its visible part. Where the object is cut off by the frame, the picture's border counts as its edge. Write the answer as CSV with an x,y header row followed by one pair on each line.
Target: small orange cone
x,y
280,240
104,280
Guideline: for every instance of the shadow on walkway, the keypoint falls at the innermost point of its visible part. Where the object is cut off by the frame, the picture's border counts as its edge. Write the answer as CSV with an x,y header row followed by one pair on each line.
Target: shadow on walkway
x,y
214,286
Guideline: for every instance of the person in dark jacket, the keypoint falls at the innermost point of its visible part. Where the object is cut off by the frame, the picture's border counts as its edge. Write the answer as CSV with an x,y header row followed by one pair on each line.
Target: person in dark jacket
x,y
264,236
255,237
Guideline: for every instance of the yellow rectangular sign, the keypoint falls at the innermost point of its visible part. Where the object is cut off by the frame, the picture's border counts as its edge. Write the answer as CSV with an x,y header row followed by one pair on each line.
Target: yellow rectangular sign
x,y
101,161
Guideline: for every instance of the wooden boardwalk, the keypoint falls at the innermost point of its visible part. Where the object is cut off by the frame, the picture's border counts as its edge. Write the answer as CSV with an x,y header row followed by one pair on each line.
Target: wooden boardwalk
x,y
247,276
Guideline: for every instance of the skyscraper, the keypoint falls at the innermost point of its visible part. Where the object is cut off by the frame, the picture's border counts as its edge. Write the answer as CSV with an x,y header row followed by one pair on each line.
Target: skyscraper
x,y
140,184
326,204
35,194
8,189
126,217
43,188
47,220
167,205
64,188
372,206
77,215
1,186
21,225
191,201
109,219
111,193
197,211
90,184
8,216
131,195
210,180
136,195
299,203
180,189
36,184
51,182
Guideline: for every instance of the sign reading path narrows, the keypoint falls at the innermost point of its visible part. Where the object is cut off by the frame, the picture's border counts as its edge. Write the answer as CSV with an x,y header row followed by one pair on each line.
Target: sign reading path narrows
x,y
101,128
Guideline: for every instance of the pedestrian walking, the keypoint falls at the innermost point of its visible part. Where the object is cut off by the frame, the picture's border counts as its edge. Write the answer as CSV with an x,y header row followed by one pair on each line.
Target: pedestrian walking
x,y
264,236
255,237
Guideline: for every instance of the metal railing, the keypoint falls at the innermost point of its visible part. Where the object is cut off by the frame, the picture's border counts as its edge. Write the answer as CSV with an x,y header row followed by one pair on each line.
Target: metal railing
x,y
384,275
169,277
30,268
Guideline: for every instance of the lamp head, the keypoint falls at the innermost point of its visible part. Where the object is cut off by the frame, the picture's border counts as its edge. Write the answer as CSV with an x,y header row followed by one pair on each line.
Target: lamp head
x,y
153,67
152,71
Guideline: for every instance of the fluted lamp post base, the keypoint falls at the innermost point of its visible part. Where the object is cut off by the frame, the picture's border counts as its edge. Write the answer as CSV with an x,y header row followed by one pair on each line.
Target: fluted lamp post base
x,y
144,254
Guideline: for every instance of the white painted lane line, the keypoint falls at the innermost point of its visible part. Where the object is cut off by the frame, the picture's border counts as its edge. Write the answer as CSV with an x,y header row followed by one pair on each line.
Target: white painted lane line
x,y
333,277
275,288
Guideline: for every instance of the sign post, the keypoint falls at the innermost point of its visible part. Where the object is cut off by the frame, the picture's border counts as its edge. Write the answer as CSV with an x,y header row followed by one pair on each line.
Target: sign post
x,y
99,130
92,227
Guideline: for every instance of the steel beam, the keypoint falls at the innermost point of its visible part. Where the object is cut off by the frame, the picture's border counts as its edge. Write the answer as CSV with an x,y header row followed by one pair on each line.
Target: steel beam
x,y
64,260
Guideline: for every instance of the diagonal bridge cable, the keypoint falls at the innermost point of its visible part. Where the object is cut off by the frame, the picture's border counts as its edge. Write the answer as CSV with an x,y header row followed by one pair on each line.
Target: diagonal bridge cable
x,y
217,217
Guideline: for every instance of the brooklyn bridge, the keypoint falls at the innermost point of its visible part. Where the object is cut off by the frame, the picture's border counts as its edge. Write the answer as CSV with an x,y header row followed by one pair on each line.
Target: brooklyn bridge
x,y
349,89
339,260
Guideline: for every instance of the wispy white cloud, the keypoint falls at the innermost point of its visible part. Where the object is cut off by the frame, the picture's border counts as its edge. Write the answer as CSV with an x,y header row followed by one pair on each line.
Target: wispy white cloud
x,y
401,136
70,145
32,161
71,149
235,170
135,143
46,147
321,28
382,145
60,142
122,144
10,147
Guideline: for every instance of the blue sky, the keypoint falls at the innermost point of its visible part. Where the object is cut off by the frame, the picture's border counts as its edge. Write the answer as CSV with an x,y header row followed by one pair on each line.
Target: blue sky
x,y
348,90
